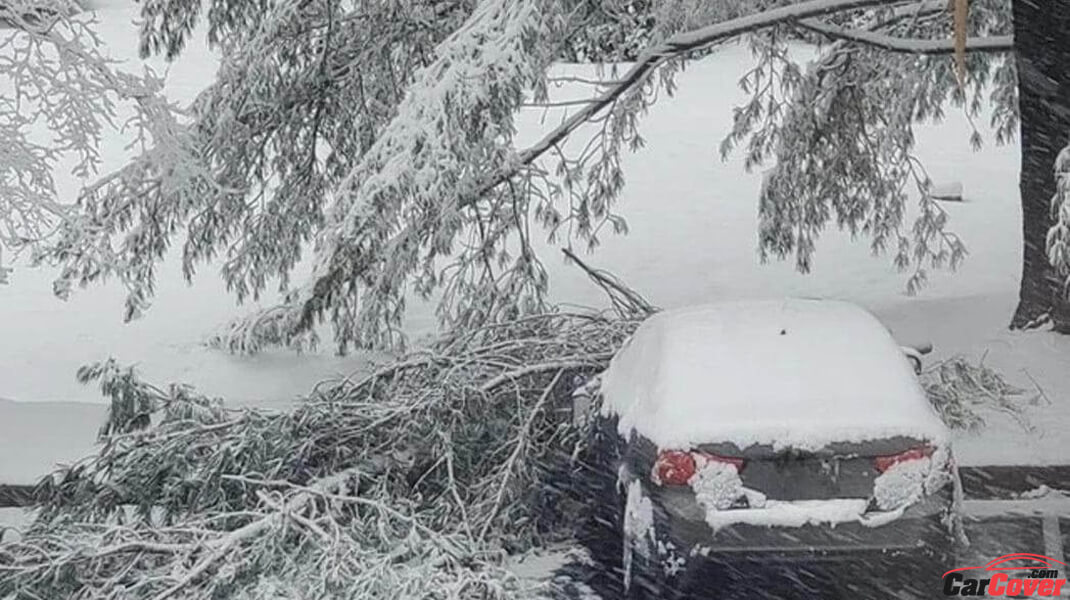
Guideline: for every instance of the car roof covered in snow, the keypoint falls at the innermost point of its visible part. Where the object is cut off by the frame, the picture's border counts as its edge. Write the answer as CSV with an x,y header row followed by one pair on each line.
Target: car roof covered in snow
x,y
787,373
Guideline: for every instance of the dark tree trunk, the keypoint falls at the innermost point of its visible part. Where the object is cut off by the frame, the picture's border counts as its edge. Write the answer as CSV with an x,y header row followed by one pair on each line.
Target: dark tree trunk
x,y
1042,53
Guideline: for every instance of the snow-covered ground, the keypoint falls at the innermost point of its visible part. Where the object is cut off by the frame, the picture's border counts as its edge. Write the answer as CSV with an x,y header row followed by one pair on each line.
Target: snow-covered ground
x,y
693,239
974,326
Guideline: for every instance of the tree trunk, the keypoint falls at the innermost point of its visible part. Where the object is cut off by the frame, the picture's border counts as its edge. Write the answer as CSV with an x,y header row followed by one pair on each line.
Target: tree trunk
x,y
1042,53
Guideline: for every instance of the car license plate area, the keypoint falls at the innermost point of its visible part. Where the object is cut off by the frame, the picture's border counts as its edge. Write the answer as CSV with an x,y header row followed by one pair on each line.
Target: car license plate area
x,y
810,477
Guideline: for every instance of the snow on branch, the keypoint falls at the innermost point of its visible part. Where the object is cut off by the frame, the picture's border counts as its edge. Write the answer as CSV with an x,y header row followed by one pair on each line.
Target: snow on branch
x,y
654,57
962,392
62,81
381,487
403,168
405,203
1058,238
394,214
866,99
1004,43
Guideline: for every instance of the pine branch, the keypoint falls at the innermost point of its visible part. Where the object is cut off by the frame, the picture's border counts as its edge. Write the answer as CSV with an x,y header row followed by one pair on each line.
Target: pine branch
x,y
588,361
1002,43
384,192
652,58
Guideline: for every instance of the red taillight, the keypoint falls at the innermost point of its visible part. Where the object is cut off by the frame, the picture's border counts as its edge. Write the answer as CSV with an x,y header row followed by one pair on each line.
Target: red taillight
x,y
883,463
675,467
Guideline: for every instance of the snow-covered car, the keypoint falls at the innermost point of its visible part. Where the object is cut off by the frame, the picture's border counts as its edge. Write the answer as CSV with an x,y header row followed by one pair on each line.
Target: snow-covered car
x,y
782,431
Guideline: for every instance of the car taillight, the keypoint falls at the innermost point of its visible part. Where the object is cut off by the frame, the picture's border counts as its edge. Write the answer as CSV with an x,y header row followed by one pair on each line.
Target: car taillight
x,y
883,463
676,467
673,467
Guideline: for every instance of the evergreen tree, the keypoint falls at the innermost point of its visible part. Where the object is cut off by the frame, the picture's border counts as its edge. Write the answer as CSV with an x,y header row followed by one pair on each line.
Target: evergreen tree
x,y
384,134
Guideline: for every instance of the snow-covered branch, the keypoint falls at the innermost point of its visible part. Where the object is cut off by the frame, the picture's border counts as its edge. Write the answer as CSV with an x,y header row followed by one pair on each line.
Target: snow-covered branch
x,y
379,488
652,58
865,92
422,187
891,43
402,166
61,81
1058,238
395,197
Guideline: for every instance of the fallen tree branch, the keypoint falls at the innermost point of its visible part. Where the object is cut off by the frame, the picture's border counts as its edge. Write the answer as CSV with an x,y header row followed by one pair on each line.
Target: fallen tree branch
x,y
550,366
522,440
220,547
628,302
961,392
379,487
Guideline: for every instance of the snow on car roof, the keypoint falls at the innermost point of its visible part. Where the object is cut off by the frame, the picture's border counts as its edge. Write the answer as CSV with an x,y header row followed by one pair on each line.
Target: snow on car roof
x,y
789,373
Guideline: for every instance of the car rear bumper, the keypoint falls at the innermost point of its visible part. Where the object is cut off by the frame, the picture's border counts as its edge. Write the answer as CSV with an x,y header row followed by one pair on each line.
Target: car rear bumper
x,y
922,527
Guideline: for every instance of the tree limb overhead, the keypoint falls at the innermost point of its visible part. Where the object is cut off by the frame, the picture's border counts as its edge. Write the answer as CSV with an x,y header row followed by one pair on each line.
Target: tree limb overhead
x,y
676,45
1002,43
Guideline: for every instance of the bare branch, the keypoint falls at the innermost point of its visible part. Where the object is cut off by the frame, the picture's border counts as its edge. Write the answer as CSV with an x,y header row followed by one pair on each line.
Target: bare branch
x,y
559,104
584,80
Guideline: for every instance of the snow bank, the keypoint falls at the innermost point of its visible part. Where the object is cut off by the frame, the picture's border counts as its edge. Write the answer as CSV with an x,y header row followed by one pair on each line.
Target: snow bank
x,y
947,191
976,329
35,438
790,373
